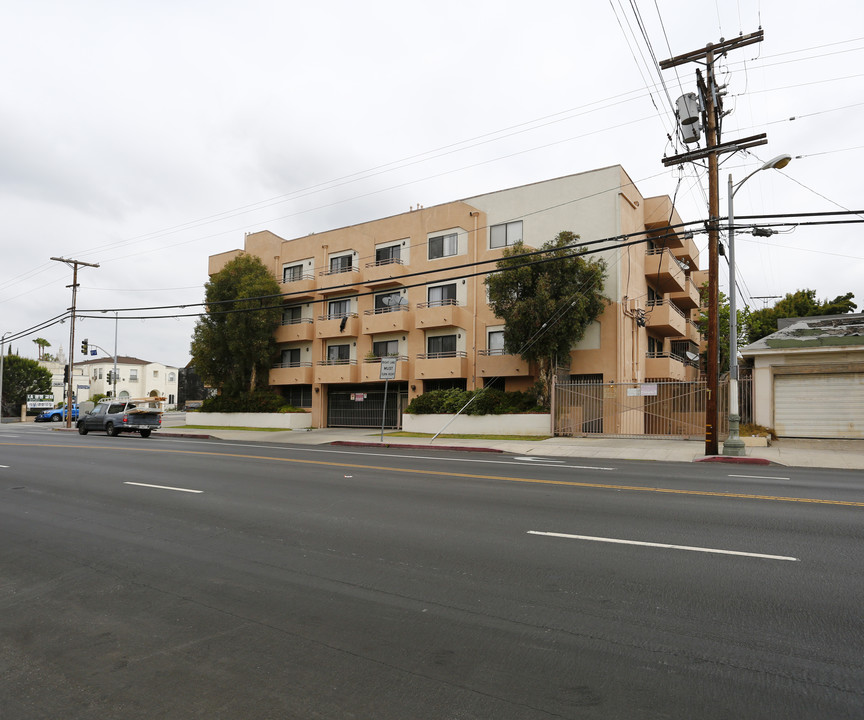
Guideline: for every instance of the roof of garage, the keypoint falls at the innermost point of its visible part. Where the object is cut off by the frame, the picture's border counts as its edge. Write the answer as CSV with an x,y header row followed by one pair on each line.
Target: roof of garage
x,y
813,332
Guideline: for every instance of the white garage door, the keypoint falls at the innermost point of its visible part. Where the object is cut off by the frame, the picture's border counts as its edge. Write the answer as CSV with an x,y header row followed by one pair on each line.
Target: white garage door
x,y
819,406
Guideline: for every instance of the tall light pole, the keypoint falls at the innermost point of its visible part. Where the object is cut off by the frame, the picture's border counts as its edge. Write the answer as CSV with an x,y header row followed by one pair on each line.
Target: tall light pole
x,y
734,446
2,356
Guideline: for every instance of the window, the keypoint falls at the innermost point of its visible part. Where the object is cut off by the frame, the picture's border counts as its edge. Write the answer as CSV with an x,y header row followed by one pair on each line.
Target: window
x,y
441,346
443,246
442,295
340,264
495,342
133,376
298,395
338,308
386,302
291,357
338,353
292,273
292,315
171,377
655,345
155,373
505,234
384,348
387,255
100,373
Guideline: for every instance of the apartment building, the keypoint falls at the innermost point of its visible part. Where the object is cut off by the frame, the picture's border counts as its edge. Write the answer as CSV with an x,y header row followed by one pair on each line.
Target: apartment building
x,y
404,286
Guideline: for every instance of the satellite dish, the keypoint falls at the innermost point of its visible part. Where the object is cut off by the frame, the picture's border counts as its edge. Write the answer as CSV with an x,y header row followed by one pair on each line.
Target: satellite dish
x,y
691,356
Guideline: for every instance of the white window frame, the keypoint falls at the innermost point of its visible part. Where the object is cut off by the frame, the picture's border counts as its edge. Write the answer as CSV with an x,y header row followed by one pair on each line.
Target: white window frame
x,y
512,233
449,241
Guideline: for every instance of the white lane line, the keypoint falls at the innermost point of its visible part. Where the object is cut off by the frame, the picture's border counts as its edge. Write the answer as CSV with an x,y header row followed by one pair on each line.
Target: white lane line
x,y
760,477
538,459
664,545
4,466
163,487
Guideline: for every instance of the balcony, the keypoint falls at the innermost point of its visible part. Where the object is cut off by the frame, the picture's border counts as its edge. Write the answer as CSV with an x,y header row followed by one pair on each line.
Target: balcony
x,y
294,330
663,271
659,213
495,363
688,252
441,313
664,366
298,287
370,371
687,299
387,319
330,326
339,281
429,366
336,371
693,334
665,319
291,374
384,272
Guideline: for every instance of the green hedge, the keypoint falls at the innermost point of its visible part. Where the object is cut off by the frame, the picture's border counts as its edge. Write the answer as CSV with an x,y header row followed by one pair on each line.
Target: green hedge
x,y
488,402
263,401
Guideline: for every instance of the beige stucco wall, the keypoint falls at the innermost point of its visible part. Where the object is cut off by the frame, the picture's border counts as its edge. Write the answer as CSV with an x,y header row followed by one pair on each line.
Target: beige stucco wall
x,y
595,205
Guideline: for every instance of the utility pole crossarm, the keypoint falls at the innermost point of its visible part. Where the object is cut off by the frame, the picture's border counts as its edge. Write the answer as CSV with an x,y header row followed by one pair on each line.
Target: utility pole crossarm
x,y
718,49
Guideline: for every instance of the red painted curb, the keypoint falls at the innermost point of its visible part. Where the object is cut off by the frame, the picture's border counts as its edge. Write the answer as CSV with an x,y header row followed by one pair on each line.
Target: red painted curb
x,y
734,460
353,443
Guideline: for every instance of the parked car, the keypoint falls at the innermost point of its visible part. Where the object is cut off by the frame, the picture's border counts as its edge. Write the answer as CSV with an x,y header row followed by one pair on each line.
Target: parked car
x,y
113,417
56,414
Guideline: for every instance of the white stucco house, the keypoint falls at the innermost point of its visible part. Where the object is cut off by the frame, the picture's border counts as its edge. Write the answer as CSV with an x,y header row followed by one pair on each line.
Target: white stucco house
x,y
808,377
136,378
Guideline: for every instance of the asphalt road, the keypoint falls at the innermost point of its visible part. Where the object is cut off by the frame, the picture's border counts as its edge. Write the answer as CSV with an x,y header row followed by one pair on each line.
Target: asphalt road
x,y
306,582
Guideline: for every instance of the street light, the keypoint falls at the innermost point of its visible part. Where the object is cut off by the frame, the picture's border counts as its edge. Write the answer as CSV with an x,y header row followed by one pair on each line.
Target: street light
x,y
734,445
2,356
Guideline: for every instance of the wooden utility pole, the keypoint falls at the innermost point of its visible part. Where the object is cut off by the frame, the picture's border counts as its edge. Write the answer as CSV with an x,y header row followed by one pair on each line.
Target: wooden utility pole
x,y
74,264
712,104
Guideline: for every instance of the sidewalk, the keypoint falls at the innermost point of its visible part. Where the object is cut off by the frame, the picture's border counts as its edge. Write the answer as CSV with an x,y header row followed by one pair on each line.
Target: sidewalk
x,y
843,454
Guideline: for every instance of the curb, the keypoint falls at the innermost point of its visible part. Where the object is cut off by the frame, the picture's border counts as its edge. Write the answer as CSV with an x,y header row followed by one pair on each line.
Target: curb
x,y
198,436
734,460
359,443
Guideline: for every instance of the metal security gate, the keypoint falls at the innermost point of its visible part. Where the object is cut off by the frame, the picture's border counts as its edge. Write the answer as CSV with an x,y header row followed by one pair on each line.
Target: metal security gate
x,y
652,409
362,406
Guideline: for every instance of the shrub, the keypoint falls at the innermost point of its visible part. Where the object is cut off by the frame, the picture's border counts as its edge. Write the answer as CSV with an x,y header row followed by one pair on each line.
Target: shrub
x,y
262,401
487,402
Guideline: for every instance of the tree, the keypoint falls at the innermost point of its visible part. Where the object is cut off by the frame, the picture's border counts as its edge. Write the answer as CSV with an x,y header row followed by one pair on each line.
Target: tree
x,y
723,319
546,306
801,303
42,343
233,345
22,376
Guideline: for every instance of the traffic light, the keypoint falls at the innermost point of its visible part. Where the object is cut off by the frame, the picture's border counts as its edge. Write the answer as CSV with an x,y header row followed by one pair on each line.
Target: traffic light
x,y
110,375
84,345
65,374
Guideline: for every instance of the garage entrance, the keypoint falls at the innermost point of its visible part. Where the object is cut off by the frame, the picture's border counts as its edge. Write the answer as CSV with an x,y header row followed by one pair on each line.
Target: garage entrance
x,y
362,405
819,405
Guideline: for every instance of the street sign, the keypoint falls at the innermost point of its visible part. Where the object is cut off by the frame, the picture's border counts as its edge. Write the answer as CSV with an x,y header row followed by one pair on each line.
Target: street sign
x,y
388,368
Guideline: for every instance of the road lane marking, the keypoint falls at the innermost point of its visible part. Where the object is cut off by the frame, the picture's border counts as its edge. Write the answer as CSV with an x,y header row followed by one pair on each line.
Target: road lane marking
x,y
759,477
440,473
535,459
666,546
163,487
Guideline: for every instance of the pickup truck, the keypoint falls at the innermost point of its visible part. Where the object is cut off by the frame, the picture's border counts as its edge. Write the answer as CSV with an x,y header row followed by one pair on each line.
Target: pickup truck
x,y
56,414
113,417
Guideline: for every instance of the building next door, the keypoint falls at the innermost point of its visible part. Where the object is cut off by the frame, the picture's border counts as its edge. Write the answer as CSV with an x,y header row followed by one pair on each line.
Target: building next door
x,y
363,405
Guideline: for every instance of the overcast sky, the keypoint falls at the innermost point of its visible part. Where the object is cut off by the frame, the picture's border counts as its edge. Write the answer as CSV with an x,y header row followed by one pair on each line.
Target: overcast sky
x,y
146,136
